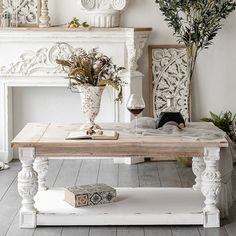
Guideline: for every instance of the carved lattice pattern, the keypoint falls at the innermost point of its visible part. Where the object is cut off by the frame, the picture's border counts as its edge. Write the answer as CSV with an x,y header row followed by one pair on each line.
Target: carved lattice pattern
x,y
170,77
27,11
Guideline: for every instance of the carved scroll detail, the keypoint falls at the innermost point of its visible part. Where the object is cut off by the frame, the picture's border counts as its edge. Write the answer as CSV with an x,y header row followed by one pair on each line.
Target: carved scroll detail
x,y
40,62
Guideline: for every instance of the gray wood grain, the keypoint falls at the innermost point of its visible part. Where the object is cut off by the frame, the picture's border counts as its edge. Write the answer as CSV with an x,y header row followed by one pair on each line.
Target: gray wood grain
x,y
9,207
75,231
230,226
108,173
213,232
8,176
6,179
168,173
130,231
148,175
47,231
68,173
157,231
102,231
186,175
128,176
185,231
88,172
231,229
53,171
14,229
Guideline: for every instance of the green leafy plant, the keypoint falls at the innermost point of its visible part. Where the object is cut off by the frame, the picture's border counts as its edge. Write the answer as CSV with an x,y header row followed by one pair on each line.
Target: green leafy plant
x,y
195,23
74,23
224,121
92,68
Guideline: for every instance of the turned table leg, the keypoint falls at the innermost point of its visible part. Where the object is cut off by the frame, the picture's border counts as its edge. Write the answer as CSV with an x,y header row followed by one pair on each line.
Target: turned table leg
x,y
27,188
210,187
198,166
41,167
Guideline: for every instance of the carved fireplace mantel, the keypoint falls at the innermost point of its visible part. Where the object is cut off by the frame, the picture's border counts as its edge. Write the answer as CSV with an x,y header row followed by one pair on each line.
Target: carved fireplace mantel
x,y
29,60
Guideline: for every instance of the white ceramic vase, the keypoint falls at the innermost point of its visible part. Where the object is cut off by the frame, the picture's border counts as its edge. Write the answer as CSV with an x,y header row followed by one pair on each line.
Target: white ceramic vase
x,y
104,13
90,101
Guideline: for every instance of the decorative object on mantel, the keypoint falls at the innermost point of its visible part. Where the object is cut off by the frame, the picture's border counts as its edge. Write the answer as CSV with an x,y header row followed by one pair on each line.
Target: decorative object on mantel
x,y
8,14
21,12
168,78
74,23
90,195
195,23
89,73
3,166
44,19
104,13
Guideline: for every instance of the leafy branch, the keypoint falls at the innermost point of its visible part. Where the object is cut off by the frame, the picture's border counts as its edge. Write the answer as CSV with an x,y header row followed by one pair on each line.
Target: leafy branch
x,y
195,23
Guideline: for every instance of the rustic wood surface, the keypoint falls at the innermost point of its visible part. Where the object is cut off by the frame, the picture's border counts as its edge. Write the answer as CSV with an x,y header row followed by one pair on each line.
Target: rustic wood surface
x,y
49,140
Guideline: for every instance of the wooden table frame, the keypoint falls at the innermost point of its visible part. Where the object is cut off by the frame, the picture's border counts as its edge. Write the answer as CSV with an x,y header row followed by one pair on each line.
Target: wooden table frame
x,y
37,142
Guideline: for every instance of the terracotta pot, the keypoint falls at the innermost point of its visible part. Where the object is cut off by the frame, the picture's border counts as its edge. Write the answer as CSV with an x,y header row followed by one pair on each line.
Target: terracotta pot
x,y
90,102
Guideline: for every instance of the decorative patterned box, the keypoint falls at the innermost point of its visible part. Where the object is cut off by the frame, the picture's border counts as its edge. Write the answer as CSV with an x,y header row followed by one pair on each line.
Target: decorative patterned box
x,y
89,195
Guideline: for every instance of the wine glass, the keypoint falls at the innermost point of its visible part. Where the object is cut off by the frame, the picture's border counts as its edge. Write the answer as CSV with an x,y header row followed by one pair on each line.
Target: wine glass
x,y
135,105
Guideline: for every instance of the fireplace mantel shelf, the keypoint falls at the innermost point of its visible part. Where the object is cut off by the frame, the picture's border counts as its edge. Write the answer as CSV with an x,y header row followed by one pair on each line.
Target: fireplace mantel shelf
x,y
65,29
29,61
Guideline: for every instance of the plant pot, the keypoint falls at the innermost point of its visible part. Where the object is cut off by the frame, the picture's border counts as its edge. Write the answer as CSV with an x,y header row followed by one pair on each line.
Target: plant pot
x,y
90,102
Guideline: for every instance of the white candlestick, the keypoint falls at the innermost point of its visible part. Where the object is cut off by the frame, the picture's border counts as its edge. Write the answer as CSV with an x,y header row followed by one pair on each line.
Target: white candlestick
x,y
44,18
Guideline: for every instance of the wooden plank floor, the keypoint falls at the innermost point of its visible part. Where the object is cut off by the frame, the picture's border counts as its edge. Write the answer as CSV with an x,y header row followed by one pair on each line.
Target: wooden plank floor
x,y
149,174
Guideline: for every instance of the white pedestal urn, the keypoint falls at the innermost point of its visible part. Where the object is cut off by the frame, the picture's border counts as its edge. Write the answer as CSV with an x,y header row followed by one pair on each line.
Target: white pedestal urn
x,y
104,13
90,101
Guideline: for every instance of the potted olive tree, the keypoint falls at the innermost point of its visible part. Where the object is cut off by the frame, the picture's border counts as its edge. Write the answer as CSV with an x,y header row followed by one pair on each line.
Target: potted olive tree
x,y
195,23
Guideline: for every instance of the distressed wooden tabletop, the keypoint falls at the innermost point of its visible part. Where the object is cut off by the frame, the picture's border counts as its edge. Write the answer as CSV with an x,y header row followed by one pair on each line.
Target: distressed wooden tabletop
x,y
49,140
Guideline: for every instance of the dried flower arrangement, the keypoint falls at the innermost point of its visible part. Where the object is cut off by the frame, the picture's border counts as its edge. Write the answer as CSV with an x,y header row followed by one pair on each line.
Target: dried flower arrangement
x,y
92,68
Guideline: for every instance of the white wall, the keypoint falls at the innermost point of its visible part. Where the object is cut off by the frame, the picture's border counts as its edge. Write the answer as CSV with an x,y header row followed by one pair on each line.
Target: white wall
x,y
214,87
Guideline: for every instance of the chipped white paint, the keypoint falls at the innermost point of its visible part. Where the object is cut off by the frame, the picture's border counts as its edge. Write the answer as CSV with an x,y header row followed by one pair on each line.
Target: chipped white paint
x,y
27,188
41,167
211,178
198,167
91,100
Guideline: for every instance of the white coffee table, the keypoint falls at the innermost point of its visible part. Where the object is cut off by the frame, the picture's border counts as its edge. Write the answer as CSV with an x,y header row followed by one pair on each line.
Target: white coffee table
x,y
135,206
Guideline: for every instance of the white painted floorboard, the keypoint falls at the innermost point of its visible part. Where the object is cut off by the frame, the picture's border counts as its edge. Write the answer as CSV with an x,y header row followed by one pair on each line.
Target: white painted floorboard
x,y
166,174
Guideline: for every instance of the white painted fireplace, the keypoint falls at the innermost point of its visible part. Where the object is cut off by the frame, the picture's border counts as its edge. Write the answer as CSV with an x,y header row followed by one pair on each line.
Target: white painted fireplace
x,y
27,59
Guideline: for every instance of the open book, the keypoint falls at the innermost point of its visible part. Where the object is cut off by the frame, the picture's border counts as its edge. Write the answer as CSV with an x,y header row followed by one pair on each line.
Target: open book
x,y
105,135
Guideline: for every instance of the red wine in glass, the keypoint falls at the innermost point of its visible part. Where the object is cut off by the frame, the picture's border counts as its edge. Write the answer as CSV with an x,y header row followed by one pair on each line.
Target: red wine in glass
x,y
135,105
135,111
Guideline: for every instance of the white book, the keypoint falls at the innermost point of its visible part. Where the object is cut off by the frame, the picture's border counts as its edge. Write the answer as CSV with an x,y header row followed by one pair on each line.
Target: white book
x,y
105,135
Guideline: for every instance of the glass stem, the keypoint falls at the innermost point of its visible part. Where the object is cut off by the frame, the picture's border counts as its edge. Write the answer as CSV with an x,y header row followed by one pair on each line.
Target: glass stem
x,y
136,125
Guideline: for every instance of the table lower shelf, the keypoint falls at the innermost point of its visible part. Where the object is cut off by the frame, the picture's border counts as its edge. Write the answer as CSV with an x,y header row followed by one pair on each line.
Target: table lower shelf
x,y
135,206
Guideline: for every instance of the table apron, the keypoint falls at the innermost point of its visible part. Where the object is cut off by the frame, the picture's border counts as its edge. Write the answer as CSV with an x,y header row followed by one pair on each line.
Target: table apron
x,y
119,152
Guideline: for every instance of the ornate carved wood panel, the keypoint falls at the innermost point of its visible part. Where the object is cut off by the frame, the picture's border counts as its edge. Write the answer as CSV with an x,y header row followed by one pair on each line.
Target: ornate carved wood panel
x,y
27,10
168,74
